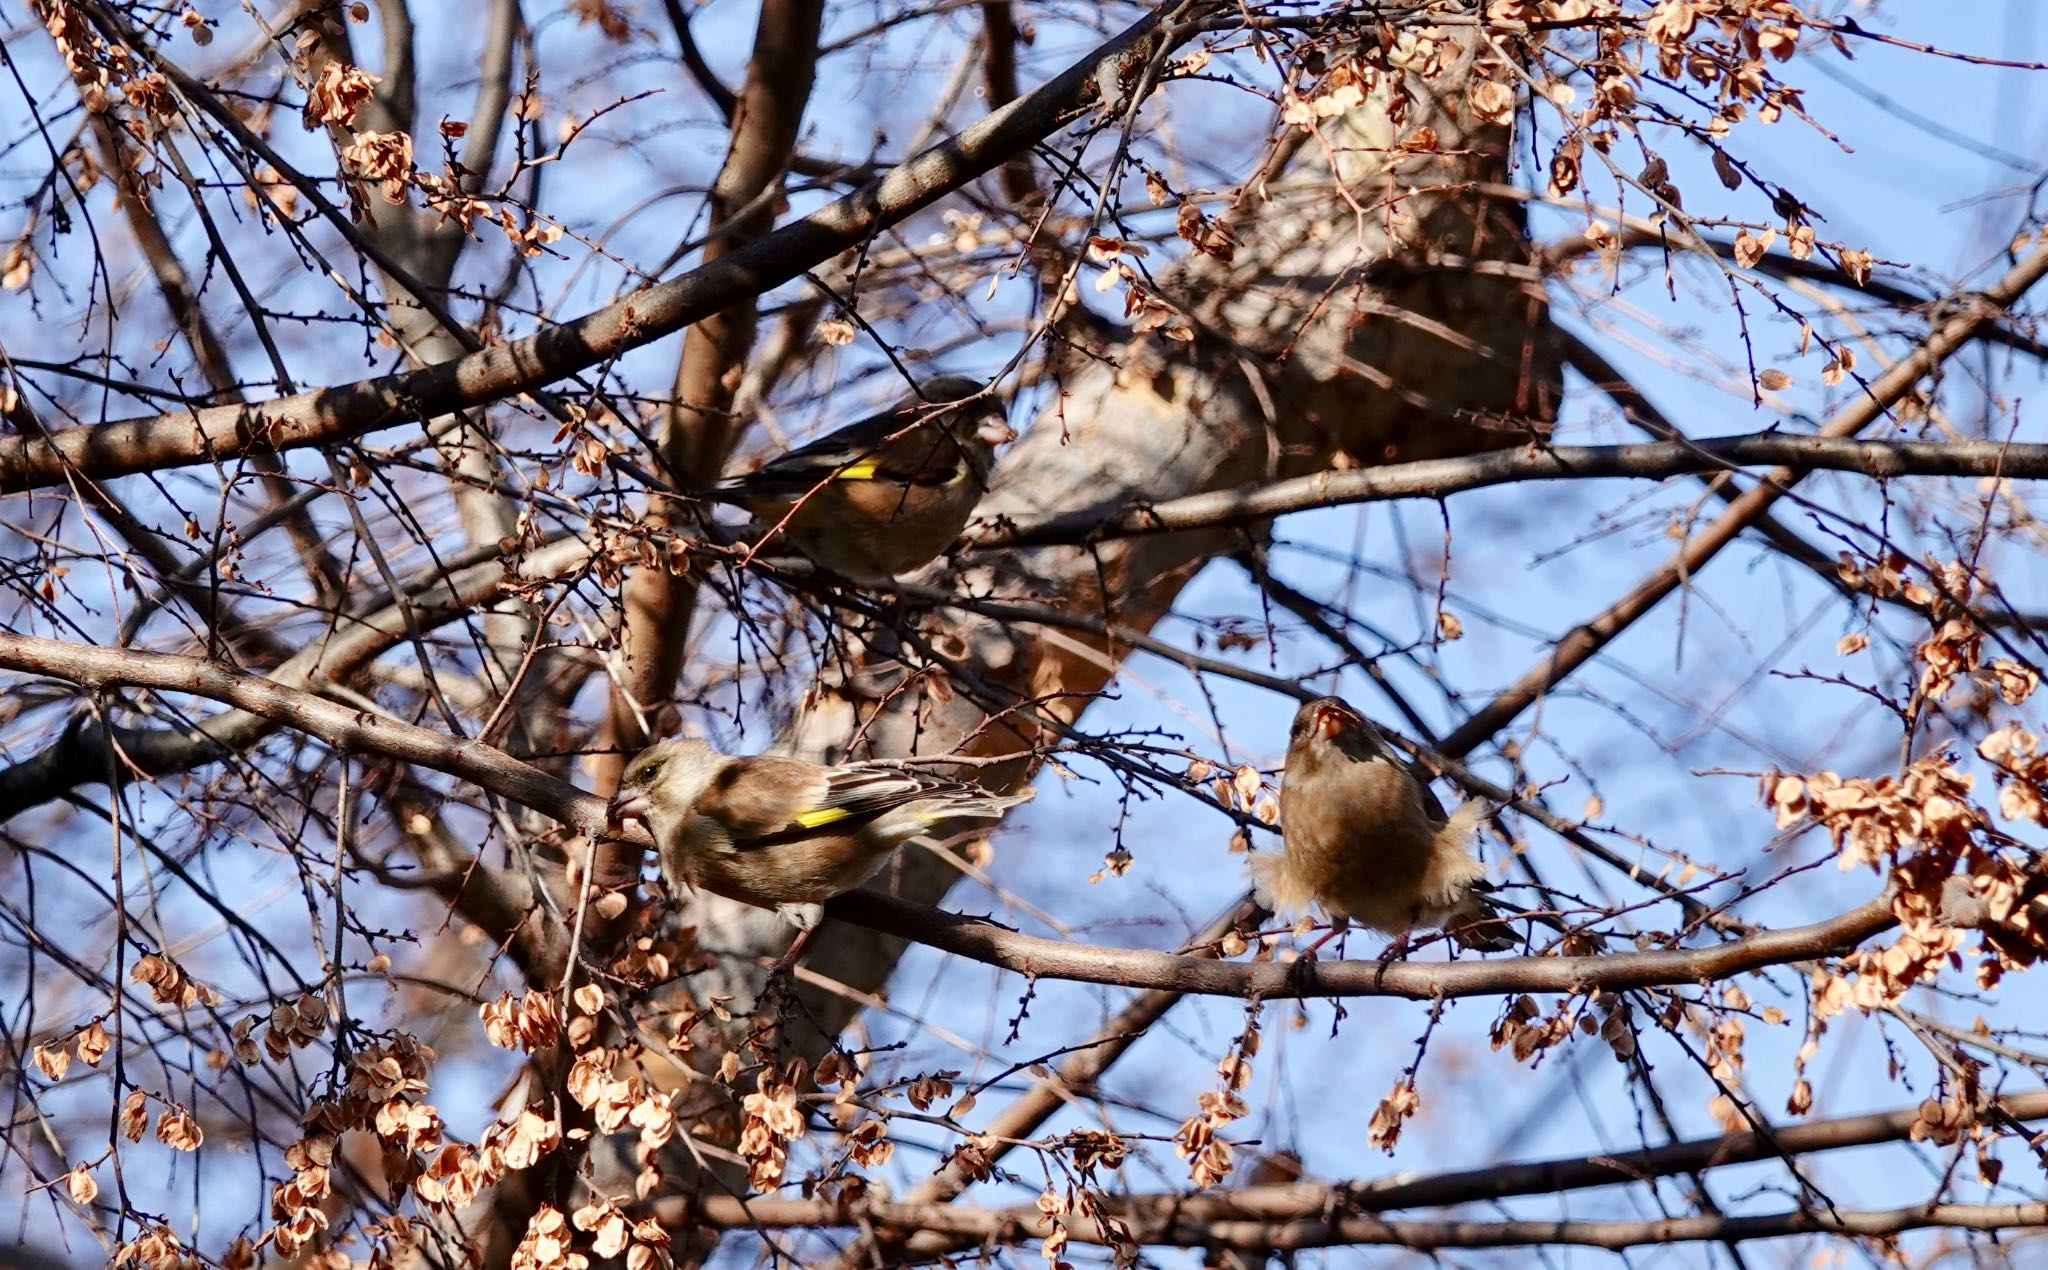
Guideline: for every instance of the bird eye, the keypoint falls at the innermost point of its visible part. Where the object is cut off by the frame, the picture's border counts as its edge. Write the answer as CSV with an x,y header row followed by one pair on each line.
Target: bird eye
x,y
649,771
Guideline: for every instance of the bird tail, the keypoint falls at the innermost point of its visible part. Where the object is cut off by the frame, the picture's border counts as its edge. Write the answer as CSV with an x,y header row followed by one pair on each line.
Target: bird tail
x,y
1452,868
964,810
976,805
1465,821
1475,921
1481,924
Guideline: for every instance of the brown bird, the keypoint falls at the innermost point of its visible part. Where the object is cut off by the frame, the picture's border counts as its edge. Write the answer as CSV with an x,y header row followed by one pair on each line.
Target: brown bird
x,y
780,833
1368,842
887,494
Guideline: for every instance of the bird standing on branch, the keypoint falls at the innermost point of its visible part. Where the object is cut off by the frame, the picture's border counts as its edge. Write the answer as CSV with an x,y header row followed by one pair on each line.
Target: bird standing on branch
x,y
885,495
781,833
1364,838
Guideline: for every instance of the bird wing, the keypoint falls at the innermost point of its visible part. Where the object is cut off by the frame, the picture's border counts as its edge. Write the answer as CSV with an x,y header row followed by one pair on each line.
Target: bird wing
x,y
867,791
1377,746
864,451
1432,806
839,798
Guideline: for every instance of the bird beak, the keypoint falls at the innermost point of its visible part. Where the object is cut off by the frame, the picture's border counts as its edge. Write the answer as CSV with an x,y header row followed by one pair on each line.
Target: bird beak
x,y
627,804
995,430
1329,723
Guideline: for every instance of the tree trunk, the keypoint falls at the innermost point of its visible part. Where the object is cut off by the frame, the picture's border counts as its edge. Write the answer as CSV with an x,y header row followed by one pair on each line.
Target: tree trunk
x,y
1368,335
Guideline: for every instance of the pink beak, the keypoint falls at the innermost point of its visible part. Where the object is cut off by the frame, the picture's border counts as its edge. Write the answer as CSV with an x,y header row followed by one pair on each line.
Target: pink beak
x,y
1328,724
627,804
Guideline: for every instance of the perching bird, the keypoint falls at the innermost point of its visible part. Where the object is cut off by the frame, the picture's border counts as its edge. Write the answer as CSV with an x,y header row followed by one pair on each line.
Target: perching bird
x,y
781,833
887,494
1366,840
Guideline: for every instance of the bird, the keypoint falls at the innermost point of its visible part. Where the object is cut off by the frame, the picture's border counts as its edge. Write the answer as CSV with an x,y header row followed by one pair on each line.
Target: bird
x,y
888,494
1366,840
782,833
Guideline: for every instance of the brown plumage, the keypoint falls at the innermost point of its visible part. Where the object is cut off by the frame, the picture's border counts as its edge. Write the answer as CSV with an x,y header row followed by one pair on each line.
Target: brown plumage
x,y
1367,841
781,833
887,494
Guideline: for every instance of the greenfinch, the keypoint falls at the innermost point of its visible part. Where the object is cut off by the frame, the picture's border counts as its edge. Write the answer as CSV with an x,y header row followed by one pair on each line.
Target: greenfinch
x,y
1367,841
888,494
780,833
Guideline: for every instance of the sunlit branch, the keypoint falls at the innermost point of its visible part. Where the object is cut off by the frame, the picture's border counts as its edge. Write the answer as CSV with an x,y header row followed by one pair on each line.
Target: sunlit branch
x,y
1440,478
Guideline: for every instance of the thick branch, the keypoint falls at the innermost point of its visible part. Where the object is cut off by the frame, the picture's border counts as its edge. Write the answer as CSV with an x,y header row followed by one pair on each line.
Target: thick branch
x,y
343,727
1039,958
500,901
1576,1173
80,756
1163,1214
697,428
1439,478
1183,1221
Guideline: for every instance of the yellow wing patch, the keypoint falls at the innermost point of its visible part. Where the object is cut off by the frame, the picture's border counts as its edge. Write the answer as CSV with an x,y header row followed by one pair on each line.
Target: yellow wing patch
x,y
861,471
821,816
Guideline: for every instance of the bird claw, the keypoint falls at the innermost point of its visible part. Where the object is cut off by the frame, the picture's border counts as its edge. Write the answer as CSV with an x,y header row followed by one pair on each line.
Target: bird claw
x,y
1301,974
805,917
1300,979
1397,948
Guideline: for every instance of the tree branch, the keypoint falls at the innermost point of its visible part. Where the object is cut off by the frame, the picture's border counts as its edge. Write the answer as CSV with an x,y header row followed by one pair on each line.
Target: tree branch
x,y
1439,478
346,729
81,757
349,729
946,1227
1076,1077
697,430
1584,641
990,944
325,415
1201,1218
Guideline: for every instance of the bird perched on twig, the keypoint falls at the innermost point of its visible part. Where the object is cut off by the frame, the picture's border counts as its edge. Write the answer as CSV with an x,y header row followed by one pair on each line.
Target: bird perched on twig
x,y
887,494
781,833
1366,839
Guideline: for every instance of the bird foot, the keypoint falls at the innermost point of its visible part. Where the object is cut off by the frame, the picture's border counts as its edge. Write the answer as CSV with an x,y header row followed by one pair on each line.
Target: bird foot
x,y
1398,947
1300,975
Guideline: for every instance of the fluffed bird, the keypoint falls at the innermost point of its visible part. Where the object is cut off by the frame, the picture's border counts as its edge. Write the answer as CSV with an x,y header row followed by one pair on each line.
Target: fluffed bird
x,y
887,494
780,833
1366,840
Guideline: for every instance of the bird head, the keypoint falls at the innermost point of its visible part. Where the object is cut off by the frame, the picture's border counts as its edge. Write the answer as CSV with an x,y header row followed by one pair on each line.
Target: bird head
x,y
1327,730
667,776
982,426
1326,719
992,429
